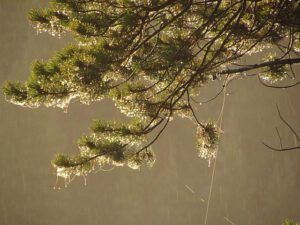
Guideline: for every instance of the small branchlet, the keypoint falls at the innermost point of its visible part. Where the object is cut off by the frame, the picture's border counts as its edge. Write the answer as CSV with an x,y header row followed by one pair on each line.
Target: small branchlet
x,y
275,74
208,137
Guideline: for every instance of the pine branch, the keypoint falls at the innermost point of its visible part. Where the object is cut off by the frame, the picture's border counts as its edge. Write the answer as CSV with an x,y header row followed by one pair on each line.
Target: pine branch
x,y
262,65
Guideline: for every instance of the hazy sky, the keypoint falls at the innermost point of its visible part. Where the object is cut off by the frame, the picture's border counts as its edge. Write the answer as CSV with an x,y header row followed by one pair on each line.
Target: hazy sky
x,y
252,185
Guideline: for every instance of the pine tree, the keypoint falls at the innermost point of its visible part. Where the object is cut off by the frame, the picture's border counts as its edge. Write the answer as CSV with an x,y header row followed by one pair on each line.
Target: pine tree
x,y
152,58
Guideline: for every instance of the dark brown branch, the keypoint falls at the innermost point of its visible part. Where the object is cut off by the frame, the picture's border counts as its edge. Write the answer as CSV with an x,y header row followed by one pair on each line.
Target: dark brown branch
x,y
280,149
261,65
272,86
192,110
279,137
287,124
291,129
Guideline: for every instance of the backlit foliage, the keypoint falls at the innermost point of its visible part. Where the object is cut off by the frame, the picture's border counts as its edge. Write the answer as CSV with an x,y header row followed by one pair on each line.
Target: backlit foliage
x,y
289,222
151,58
207,141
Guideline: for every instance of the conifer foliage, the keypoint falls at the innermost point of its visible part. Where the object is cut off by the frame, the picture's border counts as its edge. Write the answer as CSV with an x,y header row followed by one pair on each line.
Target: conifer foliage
x,y
152,58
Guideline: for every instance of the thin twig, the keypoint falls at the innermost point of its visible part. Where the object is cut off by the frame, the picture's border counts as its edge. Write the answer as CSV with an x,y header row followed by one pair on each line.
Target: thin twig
x,y
279,137
287,124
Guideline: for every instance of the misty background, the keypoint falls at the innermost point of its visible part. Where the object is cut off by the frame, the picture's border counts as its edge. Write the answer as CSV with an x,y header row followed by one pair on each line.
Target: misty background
x,y
252,184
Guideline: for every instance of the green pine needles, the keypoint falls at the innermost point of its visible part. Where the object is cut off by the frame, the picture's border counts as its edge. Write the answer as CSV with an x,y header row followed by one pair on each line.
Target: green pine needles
x,y
152,58
289,222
